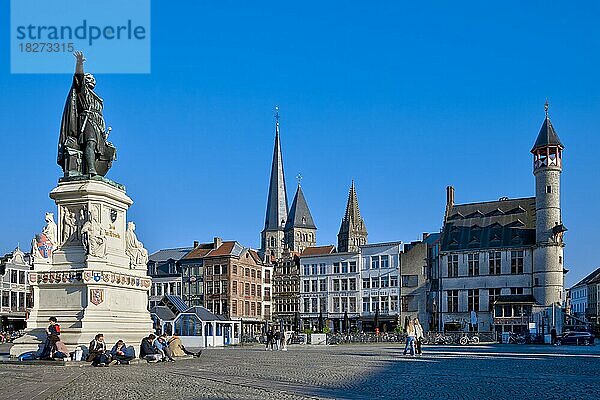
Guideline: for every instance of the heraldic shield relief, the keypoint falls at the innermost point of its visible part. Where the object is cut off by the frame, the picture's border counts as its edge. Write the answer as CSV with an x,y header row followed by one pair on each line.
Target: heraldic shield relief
x,y
96,296
43,245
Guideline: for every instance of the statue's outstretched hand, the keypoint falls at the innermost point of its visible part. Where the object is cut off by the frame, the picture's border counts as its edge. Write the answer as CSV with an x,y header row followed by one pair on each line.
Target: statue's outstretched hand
x,y
79,56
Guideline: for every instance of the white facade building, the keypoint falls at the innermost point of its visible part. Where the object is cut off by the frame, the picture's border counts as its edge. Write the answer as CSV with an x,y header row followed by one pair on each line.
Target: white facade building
x,y
380,282
329,289
580,296
15,297
376,287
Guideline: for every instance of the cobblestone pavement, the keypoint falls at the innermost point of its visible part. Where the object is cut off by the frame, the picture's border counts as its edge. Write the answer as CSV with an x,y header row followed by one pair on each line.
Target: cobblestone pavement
x,y
341,372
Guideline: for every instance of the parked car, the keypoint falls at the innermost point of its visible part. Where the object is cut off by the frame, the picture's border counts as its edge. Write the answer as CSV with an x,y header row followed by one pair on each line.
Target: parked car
x,y
576,338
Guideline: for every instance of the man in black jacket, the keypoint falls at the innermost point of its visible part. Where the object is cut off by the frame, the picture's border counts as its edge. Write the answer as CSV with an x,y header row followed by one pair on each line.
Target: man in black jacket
x,y
147,350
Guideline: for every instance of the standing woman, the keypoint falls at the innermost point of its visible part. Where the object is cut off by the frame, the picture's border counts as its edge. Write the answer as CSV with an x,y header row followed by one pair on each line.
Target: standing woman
x,y
52,336
418,335
410,338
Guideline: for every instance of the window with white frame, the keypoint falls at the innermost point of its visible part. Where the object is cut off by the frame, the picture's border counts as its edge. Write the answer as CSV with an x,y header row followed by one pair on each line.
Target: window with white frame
x,y
385,261
374,262
336,268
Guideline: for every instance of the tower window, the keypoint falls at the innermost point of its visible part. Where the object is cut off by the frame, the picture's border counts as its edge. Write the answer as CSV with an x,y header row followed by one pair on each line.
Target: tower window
x,y
548,189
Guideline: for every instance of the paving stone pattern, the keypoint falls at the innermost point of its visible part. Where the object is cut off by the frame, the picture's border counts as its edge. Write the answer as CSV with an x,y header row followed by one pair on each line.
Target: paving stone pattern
x,y
334,372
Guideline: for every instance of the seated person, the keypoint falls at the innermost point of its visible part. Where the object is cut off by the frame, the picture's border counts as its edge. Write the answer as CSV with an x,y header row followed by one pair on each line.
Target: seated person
x,y
163,347
97,352
147,350
178,350
61,351
120,353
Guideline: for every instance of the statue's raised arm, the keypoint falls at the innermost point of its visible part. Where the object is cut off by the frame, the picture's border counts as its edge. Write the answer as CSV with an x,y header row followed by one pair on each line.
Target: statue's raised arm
x,y
83,148
80,60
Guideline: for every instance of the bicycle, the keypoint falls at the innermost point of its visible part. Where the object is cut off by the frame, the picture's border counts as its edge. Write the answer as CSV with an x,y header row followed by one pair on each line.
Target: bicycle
x,y
465,340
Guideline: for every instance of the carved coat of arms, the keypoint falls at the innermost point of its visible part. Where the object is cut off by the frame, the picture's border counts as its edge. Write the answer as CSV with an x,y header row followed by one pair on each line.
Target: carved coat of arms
x,y
96,296
44,245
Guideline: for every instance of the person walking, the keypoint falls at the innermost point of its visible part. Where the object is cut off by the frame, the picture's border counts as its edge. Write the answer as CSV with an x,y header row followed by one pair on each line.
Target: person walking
x,y
418,336
553,337
410,338
277,339
269,340
283,342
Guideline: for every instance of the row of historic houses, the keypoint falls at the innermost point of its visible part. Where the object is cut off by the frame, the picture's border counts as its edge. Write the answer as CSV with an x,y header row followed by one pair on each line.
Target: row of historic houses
x,y
494,266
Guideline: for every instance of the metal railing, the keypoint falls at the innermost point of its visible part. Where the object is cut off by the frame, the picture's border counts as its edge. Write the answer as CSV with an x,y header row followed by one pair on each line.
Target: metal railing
x,y
365,337
462,338
430,338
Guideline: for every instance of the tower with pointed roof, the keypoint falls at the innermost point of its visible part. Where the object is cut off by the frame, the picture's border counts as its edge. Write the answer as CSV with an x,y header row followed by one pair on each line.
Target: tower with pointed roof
x,y
548,252
272,236
300,230
353,232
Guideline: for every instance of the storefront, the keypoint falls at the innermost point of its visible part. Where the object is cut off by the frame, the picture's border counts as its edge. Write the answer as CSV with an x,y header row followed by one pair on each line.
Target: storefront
x,y
513,313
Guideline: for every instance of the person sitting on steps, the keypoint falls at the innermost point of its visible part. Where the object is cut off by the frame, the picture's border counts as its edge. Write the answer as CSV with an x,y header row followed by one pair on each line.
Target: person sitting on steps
x,y
97,352
147,350
121,353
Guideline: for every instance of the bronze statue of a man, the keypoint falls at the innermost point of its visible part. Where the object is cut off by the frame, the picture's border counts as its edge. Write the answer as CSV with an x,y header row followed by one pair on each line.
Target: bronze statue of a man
x,y
83,147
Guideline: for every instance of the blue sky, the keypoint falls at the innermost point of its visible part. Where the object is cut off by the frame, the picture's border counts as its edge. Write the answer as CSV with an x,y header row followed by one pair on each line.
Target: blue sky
x,y
405,99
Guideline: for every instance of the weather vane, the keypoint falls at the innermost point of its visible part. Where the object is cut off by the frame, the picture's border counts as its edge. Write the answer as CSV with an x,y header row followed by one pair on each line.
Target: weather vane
x,y
299,178
277,114
546,106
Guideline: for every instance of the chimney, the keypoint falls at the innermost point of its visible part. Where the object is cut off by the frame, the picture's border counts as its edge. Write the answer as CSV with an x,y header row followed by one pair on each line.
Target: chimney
x,y
195,243
217,242
450,196
425,236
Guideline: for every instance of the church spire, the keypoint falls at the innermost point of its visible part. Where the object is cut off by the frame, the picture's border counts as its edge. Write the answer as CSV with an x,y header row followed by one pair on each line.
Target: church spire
x,y
353,232
352,210
300,230
277,203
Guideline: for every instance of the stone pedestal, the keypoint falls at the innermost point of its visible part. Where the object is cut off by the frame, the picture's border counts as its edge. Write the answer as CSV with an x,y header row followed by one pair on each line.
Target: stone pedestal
x,y
90,281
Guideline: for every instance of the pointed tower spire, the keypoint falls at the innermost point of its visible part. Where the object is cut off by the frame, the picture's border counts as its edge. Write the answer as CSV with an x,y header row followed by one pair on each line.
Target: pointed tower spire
x,y
300,229
547,135
352,210
353,232
277,203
